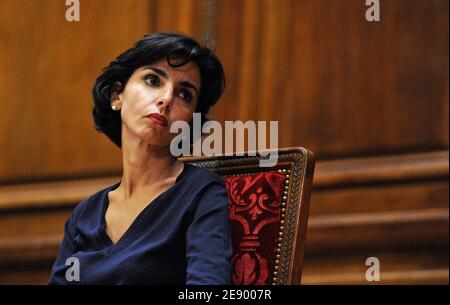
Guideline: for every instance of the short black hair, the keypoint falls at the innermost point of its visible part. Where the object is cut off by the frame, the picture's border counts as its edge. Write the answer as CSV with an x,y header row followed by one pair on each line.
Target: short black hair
x,y
178,49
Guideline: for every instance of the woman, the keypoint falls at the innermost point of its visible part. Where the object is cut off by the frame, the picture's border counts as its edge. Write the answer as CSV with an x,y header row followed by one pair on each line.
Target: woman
x,y
165,222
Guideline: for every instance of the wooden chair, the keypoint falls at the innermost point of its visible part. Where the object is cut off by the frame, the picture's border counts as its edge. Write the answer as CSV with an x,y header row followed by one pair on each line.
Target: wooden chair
x,y
269,209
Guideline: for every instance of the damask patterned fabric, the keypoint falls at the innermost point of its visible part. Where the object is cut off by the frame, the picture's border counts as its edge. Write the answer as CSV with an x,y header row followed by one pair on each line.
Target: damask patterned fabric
x,y
254,207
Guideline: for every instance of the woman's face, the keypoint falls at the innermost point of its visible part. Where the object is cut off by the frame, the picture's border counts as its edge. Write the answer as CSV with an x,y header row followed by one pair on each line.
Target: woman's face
x,y
157,95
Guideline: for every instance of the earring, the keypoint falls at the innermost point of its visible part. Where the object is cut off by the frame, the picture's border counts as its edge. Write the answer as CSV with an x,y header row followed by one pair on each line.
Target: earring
x,y
115,107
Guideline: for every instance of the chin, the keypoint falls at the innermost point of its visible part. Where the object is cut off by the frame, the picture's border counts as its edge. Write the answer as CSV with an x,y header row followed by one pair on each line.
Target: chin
x,y
156,141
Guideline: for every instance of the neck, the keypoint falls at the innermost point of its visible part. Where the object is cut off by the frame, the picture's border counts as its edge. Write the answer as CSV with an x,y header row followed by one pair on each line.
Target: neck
x,y
145,165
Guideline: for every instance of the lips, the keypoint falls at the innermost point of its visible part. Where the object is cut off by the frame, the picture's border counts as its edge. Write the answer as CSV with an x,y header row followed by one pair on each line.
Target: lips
x,y
158,119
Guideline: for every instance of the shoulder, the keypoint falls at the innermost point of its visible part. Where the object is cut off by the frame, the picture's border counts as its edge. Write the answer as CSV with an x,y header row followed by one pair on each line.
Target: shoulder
x,y
93,203
207,187
202,177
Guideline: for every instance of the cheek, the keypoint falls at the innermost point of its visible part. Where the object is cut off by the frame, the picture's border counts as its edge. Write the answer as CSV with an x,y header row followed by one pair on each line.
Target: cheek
x,y
136,100
182,114
184,111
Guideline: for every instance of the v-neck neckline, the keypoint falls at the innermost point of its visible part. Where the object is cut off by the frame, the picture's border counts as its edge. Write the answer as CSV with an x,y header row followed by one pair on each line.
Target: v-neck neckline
x,y
126,237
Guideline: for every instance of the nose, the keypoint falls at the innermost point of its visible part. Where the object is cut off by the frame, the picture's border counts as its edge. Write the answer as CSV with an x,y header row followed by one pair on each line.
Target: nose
x,y
165,103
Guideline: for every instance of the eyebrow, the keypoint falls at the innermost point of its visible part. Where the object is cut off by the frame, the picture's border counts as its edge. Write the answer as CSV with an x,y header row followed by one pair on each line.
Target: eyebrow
x,y
163,73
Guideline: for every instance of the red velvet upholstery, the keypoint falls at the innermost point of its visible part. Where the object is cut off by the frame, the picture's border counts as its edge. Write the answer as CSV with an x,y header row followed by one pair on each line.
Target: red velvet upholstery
x,y
269,210
255,204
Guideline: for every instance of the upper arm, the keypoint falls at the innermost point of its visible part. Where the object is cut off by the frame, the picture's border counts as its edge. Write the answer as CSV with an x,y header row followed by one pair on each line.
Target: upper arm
x,y
66,250
208,239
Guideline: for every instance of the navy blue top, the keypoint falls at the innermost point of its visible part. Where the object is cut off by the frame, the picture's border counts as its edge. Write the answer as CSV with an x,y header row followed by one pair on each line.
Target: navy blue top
x,y
182,237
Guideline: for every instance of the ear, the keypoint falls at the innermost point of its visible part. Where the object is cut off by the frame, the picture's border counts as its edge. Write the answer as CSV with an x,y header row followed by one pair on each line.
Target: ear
x,y
116,96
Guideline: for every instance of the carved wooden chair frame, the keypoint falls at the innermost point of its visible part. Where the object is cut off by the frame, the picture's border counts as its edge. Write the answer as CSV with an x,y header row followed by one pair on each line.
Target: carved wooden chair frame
x,y
298,165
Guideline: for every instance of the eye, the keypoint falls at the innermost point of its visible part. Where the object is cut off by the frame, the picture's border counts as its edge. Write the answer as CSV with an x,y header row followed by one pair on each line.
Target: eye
x,y
152,80
185,95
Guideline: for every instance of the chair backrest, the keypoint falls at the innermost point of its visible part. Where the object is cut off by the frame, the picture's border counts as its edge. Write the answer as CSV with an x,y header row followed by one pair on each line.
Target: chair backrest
x,y
269,209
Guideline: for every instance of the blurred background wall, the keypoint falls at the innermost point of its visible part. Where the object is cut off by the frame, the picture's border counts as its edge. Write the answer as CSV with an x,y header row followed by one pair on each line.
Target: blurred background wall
x,y
370,99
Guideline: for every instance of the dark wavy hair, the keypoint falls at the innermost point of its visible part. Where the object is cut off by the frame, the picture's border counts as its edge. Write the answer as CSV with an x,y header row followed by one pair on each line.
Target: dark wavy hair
x,y
178,49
